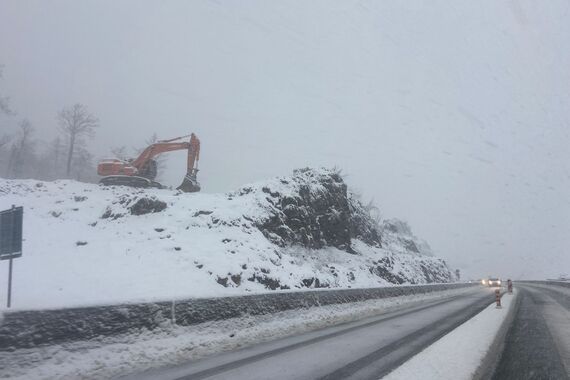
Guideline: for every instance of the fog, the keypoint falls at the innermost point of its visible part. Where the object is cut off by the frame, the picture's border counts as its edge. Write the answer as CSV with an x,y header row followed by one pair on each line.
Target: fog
x,y
451,115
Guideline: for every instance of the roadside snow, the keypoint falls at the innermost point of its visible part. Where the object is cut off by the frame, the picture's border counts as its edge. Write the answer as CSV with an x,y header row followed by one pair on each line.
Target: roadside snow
x,y
118,356
457,355
83,246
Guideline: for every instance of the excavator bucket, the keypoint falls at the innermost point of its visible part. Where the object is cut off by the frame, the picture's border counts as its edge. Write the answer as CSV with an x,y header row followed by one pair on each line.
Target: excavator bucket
x,y
189,183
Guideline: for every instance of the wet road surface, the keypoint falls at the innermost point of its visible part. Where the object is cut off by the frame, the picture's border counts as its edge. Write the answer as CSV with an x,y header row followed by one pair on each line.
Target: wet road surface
x,y
366,349
537,345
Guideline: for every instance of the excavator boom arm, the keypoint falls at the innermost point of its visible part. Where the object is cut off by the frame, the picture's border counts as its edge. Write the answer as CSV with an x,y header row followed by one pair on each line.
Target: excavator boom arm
x,y
155,149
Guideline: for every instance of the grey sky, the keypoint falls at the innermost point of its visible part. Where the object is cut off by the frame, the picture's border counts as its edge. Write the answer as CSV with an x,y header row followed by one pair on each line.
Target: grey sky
x,y
453,115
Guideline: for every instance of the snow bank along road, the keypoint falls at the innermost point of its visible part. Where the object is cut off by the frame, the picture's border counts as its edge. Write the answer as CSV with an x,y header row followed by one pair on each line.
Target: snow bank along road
x,y
365,349
537,344
468,352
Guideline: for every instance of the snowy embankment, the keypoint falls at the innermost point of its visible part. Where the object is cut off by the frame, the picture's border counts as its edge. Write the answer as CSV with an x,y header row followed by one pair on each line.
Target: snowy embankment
x,y
460,354
170,345
90,245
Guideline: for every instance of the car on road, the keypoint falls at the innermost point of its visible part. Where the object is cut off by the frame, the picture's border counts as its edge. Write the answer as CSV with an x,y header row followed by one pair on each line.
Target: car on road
x,y
491,281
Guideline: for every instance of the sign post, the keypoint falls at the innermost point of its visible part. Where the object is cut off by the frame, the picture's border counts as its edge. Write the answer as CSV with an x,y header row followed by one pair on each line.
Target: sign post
x,y
9,303
498,298
11,222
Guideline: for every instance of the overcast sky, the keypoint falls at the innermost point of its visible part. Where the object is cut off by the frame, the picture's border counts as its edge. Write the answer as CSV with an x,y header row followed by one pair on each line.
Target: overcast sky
x,y
452,115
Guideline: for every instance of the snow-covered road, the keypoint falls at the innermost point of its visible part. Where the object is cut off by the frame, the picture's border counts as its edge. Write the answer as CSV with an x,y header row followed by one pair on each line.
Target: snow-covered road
x,y
366,349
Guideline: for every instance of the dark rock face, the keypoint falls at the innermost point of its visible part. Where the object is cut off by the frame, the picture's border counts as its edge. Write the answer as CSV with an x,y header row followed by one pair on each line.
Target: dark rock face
x,y
318,215
147,205
267,281
136,206
109,214
432,275
383,268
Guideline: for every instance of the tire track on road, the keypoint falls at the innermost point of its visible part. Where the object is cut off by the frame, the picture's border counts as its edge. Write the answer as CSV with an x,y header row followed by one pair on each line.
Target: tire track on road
x,y
248,360
412,344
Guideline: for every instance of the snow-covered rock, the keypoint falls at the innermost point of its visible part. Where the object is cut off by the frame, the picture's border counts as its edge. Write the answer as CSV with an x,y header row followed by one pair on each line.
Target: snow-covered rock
x,y
398,237
86,244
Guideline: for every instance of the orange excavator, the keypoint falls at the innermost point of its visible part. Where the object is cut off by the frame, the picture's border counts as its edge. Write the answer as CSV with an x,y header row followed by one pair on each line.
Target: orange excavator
x,y
142,171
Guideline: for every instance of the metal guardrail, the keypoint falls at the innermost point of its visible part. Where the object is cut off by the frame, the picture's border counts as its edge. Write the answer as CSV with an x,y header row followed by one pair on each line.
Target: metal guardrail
x,y
565,284
26,329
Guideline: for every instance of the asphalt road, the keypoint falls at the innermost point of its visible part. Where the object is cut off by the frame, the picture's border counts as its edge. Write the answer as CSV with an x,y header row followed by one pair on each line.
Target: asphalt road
x,y
366,349
537,345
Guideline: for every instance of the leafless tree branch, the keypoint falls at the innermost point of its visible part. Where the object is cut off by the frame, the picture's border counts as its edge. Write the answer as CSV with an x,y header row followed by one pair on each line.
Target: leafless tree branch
x,y
76,122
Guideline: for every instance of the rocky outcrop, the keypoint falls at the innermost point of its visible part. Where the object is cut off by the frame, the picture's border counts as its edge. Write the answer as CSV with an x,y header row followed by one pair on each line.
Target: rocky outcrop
x,y
320,213
313,209
147,205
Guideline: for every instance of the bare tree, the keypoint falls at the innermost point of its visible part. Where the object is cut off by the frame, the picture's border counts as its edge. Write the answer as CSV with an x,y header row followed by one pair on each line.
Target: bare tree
x,y
22,154
120,152
57,152
51,163
152,139
370,207
4,104
5,140
76,122
374,211
83,165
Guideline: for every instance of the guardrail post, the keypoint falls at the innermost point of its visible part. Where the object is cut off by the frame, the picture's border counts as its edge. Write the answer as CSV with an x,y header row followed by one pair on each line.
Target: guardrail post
x,y
498,298
173,312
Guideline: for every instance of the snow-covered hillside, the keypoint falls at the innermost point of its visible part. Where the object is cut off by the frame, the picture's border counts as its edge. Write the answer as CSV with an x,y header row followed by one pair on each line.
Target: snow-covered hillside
x,y
86,244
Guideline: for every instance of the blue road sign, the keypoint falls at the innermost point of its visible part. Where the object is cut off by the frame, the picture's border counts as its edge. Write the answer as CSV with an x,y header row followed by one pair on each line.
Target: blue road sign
x,y
11,233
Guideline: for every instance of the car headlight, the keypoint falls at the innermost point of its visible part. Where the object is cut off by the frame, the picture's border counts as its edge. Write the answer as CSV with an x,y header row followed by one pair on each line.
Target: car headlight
x,y
483,282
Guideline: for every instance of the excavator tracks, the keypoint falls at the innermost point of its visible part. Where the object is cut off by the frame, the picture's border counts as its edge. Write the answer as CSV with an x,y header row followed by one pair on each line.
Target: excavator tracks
x,y
132,181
